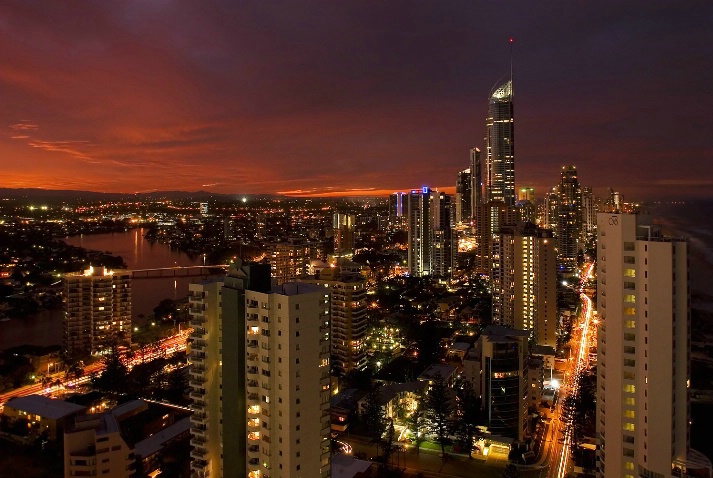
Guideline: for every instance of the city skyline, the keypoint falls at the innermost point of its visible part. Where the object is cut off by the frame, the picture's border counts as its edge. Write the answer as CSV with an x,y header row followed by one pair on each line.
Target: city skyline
x,y
351,100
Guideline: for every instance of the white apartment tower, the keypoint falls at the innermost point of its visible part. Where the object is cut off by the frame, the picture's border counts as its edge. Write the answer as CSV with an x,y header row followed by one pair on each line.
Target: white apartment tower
x,y
265,414
419,232
644,367
97,310
205,377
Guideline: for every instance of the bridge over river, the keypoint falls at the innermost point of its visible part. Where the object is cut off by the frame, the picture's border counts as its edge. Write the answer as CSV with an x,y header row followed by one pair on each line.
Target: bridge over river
x,y
168,272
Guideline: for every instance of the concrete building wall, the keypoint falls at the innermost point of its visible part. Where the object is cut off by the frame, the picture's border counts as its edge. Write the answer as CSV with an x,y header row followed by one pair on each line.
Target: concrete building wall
x,y
205,377
87,453
643,301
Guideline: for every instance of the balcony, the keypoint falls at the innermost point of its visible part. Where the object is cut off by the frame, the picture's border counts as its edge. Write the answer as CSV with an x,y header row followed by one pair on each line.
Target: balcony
x,y
197,320
198,358
200,333
197,370
197,395
197,309
197,382
199,453
199,418
198,440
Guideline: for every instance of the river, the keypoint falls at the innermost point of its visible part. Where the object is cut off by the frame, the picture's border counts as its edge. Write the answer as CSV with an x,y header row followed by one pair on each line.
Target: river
x,y
45,328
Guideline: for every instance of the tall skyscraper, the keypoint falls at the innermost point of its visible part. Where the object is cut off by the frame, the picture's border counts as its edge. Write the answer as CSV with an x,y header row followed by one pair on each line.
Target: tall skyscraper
x,y
524,282
464,197
644,350
499,172
398,210
97,311
527,208
348,300
589,211
261,390
343,225
441,234
477,187
419,232
569,220
491,217
551,209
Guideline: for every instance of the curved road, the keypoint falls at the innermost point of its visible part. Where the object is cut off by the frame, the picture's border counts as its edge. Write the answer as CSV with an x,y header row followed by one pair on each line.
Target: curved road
x,y
166,347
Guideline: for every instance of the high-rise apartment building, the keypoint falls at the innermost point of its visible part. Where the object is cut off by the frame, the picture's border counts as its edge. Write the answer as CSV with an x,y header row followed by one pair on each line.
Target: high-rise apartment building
x,y
398,209
569,220
499,173
205,378
464,197
643,369
348,301
430,234
526,194
491,217
524,282
343,226
419,232
477,188
589,211
497,367
261,390
97,310
290,260
441,234
551,210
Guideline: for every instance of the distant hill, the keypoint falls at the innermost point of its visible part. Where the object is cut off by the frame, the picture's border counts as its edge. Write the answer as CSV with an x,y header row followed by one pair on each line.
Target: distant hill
x,y
34,194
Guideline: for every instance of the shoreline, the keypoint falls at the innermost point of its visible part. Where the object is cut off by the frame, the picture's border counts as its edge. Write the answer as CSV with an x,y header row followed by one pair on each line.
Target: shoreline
x,y
700,263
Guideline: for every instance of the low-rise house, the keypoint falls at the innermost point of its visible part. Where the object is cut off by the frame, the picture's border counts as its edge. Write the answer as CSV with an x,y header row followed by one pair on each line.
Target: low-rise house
x,y
128,441
41,414
447,372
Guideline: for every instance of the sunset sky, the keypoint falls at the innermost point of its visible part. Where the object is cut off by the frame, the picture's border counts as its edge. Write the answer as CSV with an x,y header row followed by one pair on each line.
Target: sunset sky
x,y
351,96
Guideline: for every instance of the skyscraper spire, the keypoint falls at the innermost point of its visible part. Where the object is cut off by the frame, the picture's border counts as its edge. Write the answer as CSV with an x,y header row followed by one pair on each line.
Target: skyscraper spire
x,y
511,85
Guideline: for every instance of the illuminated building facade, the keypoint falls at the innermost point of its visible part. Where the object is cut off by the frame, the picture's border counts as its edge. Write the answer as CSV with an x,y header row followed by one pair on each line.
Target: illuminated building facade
x,y
643,370
97,311
499,172
267,409
497,367
551,209
589,211
441,235
348,301
398,210
419,232
290,260
524,283
343,226
464,197
569,220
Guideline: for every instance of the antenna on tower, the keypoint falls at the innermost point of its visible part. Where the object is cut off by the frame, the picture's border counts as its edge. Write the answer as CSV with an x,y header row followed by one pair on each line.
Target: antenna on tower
x,y
511,85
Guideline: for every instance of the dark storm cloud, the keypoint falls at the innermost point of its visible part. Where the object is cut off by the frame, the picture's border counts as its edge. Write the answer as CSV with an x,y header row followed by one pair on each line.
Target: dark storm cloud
x,y
353,95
